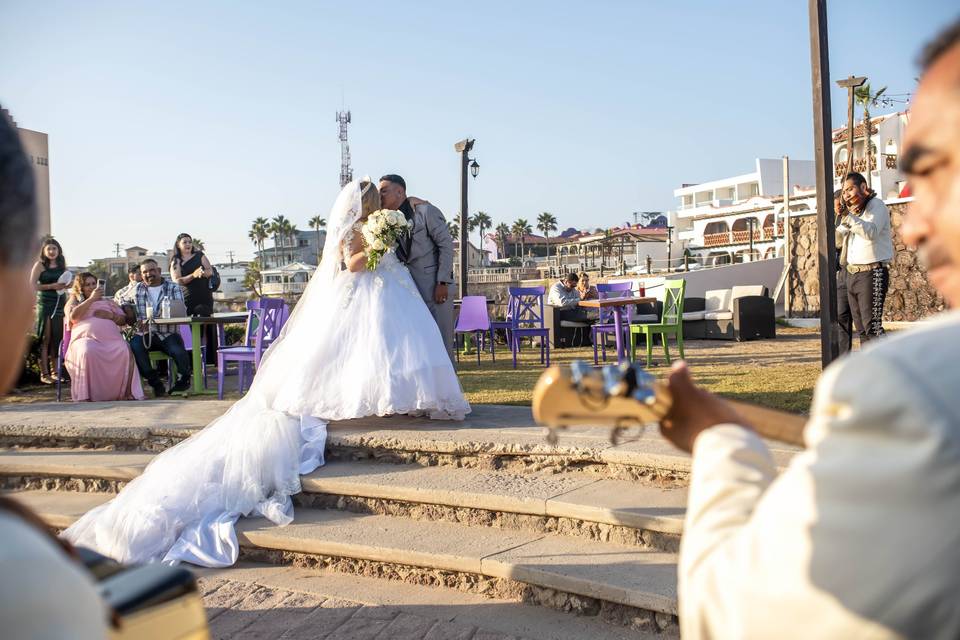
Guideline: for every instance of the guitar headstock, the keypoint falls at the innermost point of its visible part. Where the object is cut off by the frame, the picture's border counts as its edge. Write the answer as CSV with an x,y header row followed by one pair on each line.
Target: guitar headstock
x,y
617,396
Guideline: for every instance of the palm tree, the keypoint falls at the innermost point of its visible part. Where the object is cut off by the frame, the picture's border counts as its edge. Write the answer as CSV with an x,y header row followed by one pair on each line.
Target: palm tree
x,y
502,231
454,229
316,223
547,222
521,228
259,232
277,229
863,96
198,244
291,235
481,221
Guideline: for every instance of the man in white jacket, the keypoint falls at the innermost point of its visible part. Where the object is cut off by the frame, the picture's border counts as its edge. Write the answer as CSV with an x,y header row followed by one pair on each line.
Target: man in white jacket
x,y
865,251
860,536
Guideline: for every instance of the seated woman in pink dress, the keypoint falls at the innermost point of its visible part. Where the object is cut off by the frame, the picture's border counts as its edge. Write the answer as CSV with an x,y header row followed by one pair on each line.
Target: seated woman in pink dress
x,y
99,360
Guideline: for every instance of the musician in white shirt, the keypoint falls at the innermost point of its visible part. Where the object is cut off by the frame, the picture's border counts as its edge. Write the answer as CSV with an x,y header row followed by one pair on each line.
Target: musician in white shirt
x,y
866,248
859,537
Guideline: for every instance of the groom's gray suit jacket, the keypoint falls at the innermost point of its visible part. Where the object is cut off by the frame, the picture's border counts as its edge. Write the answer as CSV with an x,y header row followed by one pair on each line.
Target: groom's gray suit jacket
x,y
430,260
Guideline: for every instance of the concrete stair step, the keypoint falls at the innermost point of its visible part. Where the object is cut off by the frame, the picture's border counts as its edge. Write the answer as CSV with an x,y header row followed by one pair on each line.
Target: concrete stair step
x,y
492,436
606,572
574,496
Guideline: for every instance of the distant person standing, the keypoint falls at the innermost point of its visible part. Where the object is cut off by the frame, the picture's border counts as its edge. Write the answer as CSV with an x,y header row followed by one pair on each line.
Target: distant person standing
x,y
844,319
869,249
52,284
191,269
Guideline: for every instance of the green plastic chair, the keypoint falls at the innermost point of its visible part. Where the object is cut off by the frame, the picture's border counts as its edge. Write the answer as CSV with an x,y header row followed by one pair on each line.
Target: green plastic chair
x,y
671,322
159,356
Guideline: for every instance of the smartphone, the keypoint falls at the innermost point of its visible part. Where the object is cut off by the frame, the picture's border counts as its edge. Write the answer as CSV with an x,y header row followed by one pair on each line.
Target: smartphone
x,y
102,285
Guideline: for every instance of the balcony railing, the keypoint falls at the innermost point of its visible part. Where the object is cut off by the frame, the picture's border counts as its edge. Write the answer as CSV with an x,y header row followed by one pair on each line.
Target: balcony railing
x,y
283,288
859,165
744,236
716,239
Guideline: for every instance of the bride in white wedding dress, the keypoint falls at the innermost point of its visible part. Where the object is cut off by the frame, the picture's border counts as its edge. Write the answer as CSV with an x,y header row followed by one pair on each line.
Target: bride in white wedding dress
x,y
359,343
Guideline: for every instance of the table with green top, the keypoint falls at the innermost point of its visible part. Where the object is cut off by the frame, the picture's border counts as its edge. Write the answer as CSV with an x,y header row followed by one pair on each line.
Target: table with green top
x,y
196,322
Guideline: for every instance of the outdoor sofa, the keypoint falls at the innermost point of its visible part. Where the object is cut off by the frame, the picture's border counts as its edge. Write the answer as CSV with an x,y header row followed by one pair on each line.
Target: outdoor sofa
x,y
744,312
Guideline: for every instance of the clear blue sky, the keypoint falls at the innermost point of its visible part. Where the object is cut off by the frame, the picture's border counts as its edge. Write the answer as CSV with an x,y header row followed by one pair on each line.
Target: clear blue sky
x,y
199,116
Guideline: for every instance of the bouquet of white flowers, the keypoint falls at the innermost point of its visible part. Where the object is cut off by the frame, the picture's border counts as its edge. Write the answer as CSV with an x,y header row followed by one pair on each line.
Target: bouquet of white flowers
x,y
380,233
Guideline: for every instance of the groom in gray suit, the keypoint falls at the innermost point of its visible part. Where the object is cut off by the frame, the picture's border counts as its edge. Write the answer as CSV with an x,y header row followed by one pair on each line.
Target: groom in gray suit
x,y
427,251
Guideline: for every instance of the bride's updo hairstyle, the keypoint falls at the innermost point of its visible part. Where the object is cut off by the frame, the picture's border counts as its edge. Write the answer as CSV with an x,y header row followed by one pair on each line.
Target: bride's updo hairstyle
x,y
369,198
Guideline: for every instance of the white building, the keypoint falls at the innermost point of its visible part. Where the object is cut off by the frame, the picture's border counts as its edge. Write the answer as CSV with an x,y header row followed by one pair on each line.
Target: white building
x,y
231,281
737,219
36,146
886,133
288,280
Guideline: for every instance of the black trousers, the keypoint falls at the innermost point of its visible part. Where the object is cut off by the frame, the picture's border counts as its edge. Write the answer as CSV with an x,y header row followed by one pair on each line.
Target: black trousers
x,y
844,316
866,293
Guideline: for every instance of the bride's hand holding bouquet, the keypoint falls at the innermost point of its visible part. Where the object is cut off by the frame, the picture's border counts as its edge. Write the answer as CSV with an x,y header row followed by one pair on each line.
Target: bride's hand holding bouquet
x,y
380,232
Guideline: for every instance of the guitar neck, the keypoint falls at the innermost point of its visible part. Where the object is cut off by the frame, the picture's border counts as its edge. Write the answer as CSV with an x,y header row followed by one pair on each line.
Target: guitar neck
x,y
772,424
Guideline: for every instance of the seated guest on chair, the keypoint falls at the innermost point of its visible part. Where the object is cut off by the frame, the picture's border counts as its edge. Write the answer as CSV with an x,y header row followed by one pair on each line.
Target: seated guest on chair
x,y
99,360
563,294
155,337
586,290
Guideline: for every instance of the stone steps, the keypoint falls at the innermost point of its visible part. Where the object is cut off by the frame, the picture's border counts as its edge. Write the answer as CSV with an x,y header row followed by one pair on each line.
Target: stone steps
x,y
574,504
493,437
592,578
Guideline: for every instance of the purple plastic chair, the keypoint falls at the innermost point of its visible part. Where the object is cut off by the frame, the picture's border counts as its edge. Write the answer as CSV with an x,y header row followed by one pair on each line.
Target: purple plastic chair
x,y
474,319
506,324
526,317
251,350
605,324
275,313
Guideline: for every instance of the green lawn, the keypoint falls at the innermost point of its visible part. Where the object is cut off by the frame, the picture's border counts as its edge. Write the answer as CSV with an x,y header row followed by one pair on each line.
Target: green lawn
x,y
777,373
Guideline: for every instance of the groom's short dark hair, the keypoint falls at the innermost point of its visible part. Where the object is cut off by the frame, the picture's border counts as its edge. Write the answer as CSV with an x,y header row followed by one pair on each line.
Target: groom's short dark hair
x,y
395,179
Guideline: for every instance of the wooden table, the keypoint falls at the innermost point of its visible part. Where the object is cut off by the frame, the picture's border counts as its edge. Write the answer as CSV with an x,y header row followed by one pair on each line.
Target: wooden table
x,y
619,308
195,323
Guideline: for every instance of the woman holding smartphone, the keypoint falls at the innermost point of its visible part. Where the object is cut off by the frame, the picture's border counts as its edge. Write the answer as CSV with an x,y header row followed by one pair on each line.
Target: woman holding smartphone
x,y
191,270
99,360
48,277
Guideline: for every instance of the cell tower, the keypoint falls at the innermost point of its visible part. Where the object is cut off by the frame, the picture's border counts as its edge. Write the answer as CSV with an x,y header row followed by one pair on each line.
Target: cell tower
x,y
346,173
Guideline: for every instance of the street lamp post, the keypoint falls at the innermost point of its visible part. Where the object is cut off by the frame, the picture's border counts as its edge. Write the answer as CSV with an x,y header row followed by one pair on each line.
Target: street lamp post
x,y
669,246
466,164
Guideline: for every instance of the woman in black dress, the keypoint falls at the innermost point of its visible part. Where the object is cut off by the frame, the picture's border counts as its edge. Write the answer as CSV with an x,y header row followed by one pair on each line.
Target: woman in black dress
x,y
50,302
191,270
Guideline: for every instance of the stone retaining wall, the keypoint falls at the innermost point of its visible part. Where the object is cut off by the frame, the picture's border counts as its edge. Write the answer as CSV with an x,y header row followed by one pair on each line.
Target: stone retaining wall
x,y
910,296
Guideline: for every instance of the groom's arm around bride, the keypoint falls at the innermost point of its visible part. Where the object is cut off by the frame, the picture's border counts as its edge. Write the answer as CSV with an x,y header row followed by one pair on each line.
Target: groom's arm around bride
x,y
427,252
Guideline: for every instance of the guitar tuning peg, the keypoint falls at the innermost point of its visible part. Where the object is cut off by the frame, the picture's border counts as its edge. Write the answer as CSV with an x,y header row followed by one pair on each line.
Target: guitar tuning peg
x,y
614,383
644,394
578,370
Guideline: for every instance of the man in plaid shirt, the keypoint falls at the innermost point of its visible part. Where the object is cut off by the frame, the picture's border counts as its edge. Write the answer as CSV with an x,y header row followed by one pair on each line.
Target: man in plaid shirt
x,y
149,294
